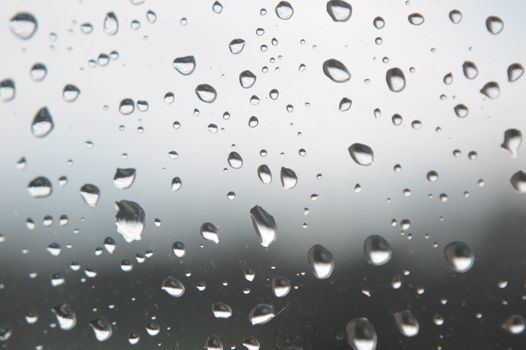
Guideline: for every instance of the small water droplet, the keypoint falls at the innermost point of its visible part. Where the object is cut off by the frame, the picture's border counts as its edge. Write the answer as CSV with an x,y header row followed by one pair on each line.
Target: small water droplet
x,y
66,318
461,110
111,24
236,46
455,16
234,160
459,256
7,90
415,19
179,249
70,93
217,7
213,343
221,310
345,104
184,65
395,79
340,11
518,181
336,71
206,93
407,323
491,90
38,72
321,261
127,106
515,324
247,79
264,174
281,286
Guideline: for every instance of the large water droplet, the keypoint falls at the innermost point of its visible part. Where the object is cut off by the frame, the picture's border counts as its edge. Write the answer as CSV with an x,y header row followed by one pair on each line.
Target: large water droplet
x,y
70,93
209,232
179,249
173,287
127,106
111,24
321,261
251,343
261,314
512,141
461,110
221,310
102,329
361,154
377,250
455,16
515,71
213,343
264,174
470,70
289,180
124,178
40,187
90,194
407,323
23,25
494,24
7,90
264,224
459,256
206,93
336,71
518,181
415,19
42,123
234,160
281,286
66,318
361,334
340,11
247,79
184,65
491,90
284,10
236,46
129,220
38,72
515,324
395,79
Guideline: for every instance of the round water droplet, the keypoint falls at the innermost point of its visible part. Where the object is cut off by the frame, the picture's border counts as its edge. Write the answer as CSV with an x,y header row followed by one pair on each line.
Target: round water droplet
x,y
461,111
360,334
345,104
247,79
111,24
23,25
221,310
515,324
129,220
407,323
124,178
264,225
7,90
494,24
339,10
66,318
206,93
38,72
415,19
515,71
377,250
264,174
127,106
261,314
281,286
40,187
470,70
234,160
90,194
251,343
284,10
289,180
321,261
455,16
173,287
70,93
518,181
395,79
361,154
336,71
432,176
459,256
184,65
42,123
102,329
236,46
209,232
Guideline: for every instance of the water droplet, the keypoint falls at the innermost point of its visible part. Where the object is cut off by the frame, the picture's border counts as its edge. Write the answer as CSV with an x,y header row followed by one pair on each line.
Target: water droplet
x,y
213,343
461,111
111,24
5,333
23,25
261,314
102,329
515,324
284,10
339,10
515,71
173,287
217,7
336,71
236,46
40,187
377,250
70,93
124,178
209,232
42,123
289,180
206,93
109,245
264,224
176,184
221,310
361,334
234,160
491,90
91,194
494,24
345,104
129,220
184,65
38,72
361,154
518,181
432,176
321,261
179,249
512,141
407,323
459,256
247,79
7,90
127,106
264,174
395,79
415,19
455,16
66,318
281,286
378,22
251,343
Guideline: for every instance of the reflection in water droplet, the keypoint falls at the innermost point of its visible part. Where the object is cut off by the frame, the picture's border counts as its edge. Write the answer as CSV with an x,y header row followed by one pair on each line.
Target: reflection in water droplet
x,y
470,70
455,16
213,343
251,343
7,90
129,220
40,187
491,90
264,174
264,224
179,249
221,310
395,79
236,46
38,72
90,194
518,181
217,7
184,65
345,104
111,24
289,180
515,71
407,323
261,314
336,71
173,287
339,10
23,25
459,256
284,10
512,141
247,79
102,329
281,286
494,24
515,324
415,19
176,184
206,93
321,261
42,123
127,106
70,93
361,334
124,178
209,232
234,160
361,154
377,250
66,318
461,111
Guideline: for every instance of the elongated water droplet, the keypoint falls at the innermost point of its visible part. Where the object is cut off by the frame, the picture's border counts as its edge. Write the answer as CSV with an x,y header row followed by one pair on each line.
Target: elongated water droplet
x,y
377,250
407,323
173,287
110,245
124,178
361,154
23,25
40,187
102,329
470,70
184,65
129,220
515,71
339,10
5,333
70,93
494,24
321,261
416,19
289,180
206,93
360,334
518,181
345,104
512,141
209,232
42,123
336,71
66,318
234,160
176,184
264,224
236,46
459,256
213,343
221,310
491,90
284,10
281,286
251,343
261,314
111,24
515,324
395,79
264,174
90,194
247,79
7,90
